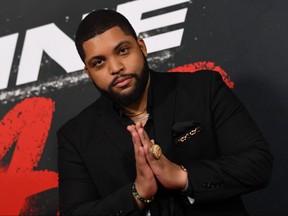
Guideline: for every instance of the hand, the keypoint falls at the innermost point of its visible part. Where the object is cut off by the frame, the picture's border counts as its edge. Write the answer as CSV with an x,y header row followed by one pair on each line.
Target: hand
x,y
169,174
145,182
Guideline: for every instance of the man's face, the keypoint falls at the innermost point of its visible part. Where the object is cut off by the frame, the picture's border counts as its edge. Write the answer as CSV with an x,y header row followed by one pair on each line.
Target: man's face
x,y
117,65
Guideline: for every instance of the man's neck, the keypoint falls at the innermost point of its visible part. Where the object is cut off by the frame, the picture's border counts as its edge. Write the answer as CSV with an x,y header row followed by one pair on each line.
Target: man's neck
x,y
140,105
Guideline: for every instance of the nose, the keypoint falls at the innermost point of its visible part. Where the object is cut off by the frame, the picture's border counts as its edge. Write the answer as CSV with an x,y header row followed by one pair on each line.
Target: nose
x,y
116,66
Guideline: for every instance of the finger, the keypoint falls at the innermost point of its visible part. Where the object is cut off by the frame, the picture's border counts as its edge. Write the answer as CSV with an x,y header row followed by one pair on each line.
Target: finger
x,y
142,133
133,132
135,138
144,137
149,156
146,143
130,128
138,125
141,160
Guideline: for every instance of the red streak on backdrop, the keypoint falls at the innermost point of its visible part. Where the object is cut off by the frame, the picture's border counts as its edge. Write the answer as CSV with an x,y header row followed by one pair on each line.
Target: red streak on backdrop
x,y
197,66
28,124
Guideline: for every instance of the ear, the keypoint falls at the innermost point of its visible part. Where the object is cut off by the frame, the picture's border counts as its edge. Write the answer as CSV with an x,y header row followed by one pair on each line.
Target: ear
x,y
142,46
87,71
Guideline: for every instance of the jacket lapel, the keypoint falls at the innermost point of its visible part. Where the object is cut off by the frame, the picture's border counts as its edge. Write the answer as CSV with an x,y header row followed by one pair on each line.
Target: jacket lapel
x,y
163,95
117,132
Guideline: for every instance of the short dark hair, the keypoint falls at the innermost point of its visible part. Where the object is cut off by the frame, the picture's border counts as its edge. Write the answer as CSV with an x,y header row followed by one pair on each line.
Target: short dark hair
x,y
97,22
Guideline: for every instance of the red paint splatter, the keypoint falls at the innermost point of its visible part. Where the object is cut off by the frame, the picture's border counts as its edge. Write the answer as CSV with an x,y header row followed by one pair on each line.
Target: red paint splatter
x,y
27,126
205,66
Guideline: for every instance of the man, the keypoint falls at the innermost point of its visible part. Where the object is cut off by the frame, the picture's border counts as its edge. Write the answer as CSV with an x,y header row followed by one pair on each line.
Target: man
x,y
154,143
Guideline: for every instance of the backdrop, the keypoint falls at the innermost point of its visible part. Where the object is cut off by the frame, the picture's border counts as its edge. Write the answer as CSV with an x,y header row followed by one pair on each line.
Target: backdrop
x,y
42,83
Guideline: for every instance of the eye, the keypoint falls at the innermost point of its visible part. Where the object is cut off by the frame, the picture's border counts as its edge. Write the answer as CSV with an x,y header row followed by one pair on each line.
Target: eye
x,y
97,63
123,51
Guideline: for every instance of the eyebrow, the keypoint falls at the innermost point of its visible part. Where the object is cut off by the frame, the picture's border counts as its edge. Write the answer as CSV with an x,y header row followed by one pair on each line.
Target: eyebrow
x,y
122,43
115,48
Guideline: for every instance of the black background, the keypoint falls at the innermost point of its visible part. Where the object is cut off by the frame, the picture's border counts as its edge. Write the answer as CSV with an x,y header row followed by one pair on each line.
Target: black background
x,y
247,38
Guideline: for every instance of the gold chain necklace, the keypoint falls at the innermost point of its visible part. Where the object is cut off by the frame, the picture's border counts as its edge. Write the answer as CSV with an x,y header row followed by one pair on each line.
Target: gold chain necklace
x,y
145,117
134,114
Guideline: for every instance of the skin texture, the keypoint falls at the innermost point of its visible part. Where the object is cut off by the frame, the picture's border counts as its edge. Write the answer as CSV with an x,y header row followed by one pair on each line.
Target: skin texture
x,y
113,53
148,169
112,60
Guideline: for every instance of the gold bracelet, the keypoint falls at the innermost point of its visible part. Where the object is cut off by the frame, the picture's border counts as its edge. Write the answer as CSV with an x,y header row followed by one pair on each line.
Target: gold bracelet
x,y
135,193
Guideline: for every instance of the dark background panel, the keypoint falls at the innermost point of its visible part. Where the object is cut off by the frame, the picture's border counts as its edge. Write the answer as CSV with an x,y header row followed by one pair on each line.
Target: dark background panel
x,y
247,38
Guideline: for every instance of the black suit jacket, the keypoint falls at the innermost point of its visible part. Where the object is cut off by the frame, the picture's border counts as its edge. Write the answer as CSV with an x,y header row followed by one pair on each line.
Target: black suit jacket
x,y
225,158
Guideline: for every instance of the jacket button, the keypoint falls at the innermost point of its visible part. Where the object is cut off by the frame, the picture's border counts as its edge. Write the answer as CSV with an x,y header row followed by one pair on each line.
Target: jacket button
x,y
207,185
118,213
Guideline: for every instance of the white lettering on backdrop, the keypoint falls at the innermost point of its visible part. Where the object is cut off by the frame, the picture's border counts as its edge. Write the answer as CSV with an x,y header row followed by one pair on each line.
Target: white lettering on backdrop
x,y
60,47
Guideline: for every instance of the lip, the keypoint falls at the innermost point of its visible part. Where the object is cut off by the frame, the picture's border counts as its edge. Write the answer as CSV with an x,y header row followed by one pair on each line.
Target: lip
x,y
122,82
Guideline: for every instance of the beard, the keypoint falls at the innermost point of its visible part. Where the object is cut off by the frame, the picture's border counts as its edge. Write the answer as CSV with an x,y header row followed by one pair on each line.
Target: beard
x,y
135,94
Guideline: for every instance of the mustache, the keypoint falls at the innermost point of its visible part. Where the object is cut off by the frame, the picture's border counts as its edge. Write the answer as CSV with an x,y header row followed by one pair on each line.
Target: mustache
x,y
113,82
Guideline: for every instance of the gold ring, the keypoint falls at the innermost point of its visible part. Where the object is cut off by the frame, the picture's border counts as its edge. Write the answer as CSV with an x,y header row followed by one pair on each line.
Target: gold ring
x,y
156,151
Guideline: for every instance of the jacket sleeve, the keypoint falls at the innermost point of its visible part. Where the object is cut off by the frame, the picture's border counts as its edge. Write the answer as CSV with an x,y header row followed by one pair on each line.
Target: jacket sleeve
x,y
78,194
245,160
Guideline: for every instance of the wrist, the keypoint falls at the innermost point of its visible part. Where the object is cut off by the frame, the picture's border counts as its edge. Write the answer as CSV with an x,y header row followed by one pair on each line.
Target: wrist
x,y
143,200
184,178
